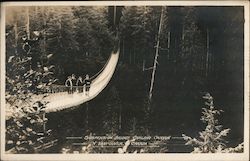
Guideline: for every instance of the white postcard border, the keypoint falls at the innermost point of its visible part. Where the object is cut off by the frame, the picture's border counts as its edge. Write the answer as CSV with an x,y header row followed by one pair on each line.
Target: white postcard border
x,y
158,156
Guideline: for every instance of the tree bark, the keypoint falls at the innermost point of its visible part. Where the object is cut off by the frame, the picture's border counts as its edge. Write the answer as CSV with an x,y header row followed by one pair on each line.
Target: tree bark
x,y
28,23
156,56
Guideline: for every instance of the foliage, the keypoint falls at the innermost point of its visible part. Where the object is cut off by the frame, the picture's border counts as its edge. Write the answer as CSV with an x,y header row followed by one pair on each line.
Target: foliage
x,y
211,139
111,121
92,31
139,28
192,44
60,31
24,134
79,39
22,81
28,72
238,149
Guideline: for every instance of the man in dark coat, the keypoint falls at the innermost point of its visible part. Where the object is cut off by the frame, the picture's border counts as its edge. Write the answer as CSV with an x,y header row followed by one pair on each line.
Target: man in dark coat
x,y
87,83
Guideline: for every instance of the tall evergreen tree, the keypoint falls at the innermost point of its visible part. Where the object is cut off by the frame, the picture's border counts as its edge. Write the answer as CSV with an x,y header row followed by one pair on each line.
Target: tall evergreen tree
x,y
192,51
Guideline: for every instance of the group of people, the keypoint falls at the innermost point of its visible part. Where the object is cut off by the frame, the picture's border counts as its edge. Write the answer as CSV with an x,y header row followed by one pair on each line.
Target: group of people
x,y
78,85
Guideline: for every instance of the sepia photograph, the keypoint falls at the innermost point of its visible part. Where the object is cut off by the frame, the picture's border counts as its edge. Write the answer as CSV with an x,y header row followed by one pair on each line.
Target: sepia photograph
x,y
128,77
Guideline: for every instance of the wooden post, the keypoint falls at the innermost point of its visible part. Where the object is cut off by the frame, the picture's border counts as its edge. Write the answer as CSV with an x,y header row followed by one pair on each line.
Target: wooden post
x,y
156,56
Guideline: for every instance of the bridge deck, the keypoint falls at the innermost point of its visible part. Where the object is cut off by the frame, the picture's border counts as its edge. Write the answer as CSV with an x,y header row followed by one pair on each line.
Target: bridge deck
x,y
62,100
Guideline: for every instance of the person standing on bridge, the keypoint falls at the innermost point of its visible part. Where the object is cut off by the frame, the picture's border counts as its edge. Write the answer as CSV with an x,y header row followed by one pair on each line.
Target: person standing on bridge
x,y
87,83
80,84
69,83
73,79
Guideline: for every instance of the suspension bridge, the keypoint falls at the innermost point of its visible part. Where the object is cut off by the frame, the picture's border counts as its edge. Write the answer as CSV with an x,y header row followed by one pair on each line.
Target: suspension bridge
x,y
58,98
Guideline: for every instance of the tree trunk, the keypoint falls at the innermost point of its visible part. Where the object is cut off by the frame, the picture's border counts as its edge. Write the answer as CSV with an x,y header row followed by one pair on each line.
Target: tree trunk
x,y
43,45
16,36
28,23
36,12
120,117
44,124
207,56
87,116
168,45
134,124
123,50
156,56
130,57
114,17
134,53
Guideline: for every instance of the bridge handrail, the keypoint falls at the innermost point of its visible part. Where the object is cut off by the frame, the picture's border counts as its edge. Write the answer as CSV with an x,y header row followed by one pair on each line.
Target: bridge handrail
x,y
55,88
116,48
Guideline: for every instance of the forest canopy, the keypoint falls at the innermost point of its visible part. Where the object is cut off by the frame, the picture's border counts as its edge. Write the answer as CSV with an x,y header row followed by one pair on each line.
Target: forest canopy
x,y
201,49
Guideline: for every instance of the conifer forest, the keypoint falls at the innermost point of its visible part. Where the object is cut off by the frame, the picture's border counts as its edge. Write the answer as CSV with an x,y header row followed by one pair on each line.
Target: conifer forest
x,y
179,79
